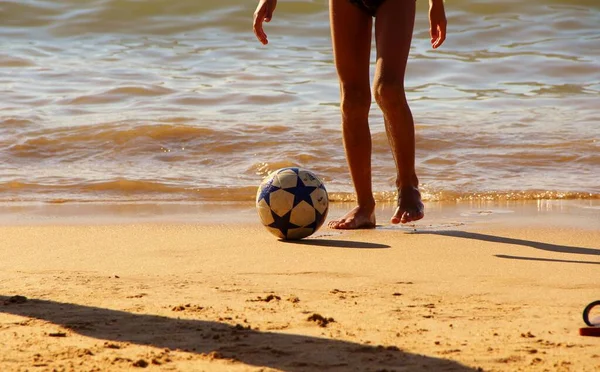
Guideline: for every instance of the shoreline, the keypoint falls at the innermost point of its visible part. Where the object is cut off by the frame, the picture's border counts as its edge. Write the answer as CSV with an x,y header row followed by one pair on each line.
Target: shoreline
x,y
584,214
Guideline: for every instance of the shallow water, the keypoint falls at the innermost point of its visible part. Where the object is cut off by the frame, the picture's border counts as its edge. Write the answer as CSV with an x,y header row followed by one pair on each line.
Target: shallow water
x,y
126,101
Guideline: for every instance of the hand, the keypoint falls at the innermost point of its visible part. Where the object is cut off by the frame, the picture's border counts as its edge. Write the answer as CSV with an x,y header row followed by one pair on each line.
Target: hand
x,y
437,23
263,13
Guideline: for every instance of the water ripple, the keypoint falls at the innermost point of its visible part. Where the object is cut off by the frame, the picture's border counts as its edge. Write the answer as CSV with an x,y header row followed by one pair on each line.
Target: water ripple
x,y
177,99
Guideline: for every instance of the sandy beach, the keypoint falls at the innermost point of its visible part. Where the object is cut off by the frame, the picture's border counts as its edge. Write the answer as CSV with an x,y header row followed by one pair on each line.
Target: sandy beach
x,y
111,288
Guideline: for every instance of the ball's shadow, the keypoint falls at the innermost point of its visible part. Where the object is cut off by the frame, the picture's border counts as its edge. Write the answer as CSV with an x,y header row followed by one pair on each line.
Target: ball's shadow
x,y
334,243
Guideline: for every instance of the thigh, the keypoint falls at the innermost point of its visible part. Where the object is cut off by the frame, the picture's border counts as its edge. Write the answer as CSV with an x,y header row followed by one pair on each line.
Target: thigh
x,y
394,26
351,38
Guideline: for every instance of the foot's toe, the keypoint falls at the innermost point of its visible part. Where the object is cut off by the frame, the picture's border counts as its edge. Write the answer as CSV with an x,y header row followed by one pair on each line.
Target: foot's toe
x,y
356,219
410,216
410,207
405,217
350,224
399,216
344,224
338,224
333,224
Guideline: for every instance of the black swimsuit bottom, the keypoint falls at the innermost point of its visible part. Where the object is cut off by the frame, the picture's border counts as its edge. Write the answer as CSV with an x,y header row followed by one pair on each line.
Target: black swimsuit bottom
x,y
368,6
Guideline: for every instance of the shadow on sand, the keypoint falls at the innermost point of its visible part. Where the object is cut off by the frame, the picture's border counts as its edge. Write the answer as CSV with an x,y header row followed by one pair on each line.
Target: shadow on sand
x,y
337,243
287,352
527,243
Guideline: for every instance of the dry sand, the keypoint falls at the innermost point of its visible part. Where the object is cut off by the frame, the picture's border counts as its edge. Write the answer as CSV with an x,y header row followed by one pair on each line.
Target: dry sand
x,y
194,288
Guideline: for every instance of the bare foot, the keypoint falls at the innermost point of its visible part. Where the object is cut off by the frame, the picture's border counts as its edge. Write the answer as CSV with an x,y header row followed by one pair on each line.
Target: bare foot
x,y
357,218
410,207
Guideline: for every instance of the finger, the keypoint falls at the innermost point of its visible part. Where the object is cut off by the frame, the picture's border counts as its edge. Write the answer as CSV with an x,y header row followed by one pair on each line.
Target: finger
x,y
435,43
441,36
260,34
433,33
258,31
258,28
443,32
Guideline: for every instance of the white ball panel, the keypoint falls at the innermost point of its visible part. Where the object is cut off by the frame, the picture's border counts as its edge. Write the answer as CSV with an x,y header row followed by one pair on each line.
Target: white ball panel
x,y
303,214
286,178
264,211
281,202
308,178
320,200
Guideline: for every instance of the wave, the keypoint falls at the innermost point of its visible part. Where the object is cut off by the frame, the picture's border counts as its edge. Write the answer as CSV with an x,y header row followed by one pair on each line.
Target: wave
x,y
91,139
127,190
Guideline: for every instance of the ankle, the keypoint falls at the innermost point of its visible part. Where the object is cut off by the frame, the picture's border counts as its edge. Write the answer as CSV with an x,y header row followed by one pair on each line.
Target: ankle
x,y
368,204
409,182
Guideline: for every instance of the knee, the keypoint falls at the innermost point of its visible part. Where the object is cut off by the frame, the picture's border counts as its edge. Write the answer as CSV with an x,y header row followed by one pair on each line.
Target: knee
x,y
389,94
355,100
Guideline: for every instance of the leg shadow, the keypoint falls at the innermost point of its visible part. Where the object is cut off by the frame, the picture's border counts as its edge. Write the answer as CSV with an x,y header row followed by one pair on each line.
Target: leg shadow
x,y
528,243
545,259
286,352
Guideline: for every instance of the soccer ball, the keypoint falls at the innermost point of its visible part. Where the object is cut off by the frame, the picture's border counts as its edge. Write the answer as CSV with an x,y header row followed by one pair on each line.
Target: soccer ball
x,y
292,203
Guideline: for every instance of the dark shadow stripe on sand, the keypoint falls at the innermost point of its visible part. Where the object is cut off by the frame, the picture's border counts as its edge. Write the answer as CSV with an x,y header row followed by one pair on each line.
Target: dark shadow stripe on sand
x,y
286,352
545,259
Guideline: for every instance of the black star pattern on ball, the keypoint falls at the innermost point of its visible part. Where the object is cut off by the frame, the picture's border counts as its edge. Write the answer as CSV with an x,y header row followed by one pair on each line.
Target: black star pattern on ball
x,y
301,192
265,193
282,223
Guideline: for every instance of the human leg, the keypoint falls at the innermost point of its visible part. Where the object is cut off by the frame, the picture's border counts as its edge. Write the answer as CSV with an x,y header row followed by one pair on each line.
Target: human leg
x,y
393,34
351,36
